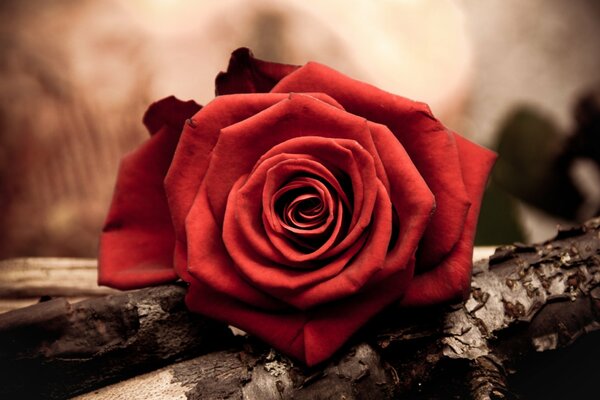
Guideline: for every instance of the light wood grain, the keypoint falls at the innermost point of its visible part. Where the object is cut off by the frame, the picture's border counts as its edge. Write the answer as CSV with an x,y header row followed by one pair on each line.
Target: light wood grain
x,y
23,281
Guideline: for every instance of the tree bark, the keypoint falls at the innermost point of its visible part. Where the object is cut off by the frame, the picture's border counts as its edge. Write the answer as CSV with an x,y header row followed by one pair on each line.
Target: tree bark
x,y
55,349
527,302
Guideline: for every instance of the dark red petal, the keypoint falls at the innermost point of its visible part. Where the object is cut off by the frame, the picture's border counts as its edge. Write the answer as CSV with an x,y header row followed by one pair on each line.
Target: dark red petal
x,y
412,200
246,74
136,246
331,326
452,277
169,111
295,218
430,146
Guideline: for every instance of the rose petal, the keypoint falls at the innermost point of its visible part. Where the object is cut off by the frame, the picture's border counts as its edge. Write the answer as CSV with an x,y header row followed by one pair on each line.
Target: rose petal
x,y
284,331
332,325
264,179
305,289
299,116
246,74
136,246
209,261
452,278
430,146
337,153
192,155
412,201
297,221
191,158
310,337
169,111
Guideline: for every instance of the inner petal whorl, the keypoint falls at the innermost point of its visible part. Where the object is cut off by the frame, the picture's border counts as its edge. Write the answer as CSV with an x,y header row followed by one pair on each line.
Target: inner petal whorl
x,y
305,211
304,206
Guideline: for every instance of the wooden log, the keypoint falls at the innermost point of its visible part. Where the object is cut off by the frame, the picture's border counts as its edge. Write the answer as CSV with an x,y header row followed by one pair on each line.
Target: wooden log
x,y
55,349
361,374
525,300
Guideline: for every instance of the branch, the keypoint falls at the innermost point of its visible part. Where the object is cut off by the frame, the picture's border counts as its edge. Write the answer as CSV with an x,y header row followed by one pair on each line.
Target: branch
x,y
56,349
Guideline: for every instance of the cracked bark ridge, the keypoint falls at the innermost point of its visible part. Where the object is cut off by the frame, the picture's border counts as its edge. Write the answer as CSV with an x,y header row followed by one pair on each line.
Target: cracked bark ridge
x,y
56,349
529,298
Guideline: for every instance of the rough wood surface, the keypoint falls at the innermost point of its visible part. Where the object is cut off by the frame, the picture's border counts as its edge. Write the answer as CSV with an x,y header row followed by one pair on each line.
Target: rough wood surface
x,y
361,374
55,349
526,301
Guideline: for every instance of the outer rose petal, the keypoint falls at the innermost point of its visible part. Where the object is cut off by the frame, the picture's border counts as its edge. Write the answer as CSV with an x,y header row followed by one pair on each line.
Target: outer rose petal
x,y
281,330
246,74
452,277
169,111
136,247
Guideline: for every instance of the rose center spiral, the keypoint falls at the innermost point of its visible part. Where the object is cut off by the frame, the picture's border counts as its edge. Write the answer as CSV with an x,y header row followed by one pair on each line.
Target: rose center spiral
x,y
305,211
305,208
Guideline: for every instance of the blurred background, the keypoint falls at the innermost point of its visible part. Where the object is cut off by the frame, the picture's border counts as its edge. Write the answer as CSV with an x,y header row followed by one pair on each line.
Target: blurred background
x,y
76,76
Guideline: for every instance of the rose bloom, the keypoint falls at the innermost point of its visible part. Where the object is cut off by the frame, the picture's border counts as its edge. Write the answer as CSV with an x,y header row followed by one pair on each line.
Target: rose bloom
x,y
296,205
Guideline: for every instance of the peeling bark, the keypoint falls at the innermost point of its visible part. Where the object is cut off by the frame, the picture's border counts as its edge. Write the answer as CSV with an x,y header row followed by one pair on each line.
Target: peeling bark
x,y
527,302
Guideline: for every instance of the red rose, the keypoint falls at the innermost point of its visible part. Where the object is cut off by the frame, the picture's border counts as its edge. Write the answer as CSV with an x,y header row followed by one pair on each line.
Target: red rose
x,y
297,205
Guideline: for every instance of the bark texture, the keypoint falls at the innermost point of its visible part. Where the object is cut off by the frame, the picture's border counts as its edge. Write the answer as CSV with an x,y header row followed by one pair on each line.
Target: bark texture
x,y
55,349
531,307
